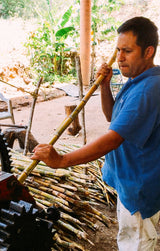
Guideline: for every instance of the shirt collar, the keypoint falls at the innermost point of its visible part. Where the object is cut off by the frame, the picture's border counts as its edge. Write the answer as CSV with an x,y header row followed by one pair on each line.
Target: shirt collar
x,y
150,72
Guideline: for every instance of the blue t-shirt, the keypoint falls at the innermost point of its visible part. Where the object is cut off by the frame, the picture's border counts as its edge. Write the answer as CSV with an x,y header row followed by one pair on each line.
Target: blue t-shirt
x,y
133,169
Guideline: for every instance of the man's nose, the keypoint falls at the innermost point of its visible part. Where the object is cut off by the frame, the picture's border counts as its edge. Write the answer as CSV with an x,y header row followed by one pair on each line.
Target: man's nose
x,y
120,56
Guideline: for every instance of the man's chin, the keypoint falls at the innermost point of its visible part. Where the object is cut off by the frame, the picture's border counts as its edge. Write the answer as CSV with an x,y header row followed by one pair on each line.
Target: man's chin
x,y
125,74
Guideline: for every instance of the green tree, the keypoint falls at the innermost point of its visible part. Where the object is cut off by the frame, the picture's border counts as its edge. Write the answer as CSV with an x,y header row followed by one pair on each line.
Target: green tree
x,y
18,8
47,45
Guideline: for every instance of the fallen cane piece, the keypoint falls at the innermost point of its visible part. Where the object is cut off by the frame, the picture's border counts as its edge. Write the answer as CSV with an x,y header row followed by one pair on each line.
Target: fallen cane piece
x,y
67,121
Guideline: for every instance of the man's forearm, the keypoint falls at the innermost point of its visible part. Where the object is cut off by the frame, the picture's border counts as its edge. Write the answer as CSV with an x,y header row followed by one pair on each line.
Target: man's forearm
x,y
90,152
98,148
107,101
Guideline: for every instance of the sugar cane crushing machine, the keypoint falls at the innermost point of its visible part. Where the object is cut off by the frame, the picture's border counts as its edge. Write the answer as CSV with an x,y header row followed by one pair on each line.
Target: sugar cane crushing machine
x,y
23,225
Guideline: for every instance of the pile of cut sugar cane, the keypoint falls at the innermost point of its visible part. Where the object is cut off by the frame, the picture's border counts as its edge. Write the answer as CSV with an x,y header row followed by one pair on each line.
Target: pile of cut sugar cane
x,y
76,192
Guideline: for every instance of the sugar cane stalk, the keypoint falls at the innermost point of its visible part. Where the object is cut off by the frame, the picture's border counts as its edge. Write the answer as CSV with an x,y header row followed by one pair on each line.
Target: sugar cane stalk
x,y
68,120
18,88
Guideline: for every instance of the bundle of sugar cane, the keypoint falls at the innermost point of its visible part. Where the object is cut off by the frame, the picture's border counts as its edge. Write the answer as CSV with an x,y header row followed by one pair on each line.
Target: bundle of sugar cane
x,y
75,192
94,169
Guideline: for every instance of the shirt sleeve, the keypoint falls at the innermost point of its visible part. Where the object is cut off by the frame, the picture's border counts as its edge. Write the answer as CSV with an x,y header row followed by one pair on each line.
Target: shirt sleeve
x,y
137,118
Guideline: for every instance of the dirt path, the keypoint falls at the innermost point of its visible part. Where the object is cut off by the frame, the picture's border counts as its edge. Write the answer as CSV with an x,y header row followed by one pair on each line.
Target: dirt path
x,y
48,116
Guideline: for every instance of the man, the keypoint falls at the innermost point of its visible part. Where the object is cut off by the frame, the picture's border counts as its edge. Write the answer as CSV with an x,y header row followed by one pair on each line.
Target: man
x,y
132,144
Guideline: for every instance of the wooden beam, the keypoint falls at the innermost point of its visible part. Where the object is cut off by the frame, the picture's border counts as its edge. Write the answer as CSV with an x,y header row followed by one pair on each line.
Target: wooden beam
x,y
85,39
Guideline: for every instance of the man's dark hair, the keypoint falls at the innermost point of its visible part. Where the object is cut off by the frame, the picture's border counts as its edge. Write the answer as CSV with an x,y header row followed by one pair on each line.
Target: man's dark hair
x,y
145,30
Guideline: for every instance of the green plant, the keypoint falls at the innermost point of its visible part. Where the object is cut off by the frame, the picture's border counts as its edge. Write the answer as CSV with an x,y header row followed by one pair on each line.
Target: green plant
x,y
103,24
9,7
17,8
48,47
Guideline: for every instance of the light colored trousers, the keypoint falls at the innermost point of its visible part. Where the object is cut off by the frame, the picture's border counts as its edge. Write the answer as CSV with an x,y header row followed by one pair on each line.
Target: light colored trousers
x,y
136,234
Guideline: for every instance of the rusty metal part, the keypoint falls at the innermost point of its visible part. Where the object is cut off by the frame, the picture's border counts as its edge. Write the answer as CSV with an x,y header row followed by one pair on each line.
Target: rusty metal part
x,y
12,189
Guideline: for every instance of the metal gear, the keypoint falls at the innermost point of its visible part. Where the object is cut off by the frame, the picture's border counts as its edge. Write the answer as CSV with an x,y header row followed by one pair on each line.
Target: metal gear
x,y
4,154
23,229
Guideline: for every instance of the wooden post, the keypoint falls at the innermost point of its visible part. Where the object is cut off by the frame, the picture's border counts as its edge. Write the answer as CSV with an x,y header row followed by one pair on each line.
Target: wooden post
x,y
93,54
75,127
31,116
79,76
85,39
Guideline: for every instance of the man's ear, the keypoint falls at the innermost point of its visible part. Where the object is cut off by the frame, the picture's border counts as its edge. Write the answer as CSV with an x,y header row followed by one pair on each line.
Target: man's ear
x,y
149,52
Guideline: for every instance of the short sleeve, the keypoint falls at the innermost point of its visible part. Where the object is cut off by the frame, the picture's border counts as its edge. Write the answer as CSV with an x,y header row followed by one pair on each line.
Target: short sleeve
x,y
137,118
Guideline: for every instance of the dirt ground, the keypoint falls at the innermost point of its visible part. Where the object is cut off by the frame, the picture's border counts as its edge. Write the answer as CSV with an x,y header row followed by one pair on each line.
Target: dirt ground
x,y
48,115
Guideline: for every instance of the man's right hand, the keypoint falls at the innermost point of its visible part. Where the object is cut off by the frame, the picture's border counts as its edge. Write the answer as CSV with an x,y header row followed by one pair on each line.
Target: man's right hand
x,y
106,71
48,155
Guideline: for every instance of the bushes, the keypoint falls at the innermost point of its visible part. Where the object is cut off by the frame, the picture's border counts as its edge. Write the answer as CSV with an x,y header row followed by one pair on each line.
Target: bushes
x,y
18,8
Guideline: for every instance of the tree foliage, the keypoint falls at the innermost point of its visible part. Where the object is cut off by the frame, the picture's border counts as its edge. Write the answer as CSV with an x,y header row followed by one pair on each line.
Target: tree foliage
x,y
49,46
18,8
27,8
